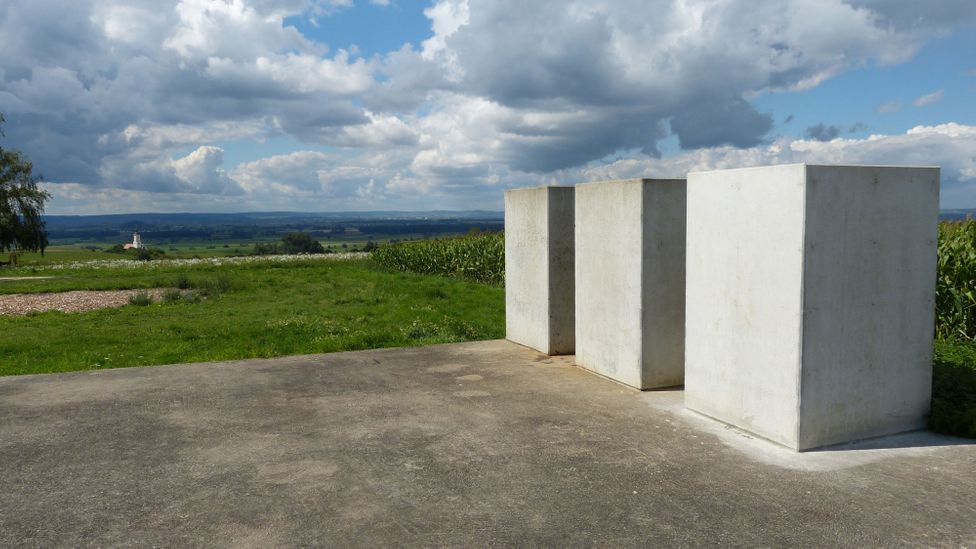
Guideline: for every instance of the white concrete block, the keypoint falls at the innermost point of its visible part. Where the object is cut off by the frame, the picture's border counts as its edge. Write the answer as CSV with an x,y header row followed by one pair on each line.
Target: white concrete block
x,y
630,276
810,300
539,288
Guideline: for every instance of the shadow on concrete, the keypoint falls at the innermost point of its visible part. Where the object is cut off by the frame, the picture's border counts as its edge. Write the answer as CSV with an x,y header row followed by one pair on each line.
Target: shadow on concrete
x,y
913,439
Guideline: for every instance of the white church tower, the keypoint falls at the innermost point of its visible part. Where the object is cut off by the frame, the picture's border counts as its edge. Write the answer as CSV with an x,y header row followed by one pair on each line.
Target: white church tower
x,y
136,240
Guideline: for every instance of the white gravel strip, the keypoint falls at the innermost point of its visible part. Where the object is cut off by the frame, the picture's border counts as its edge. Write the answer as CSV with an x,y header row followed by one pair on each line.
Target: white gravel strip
x,y
70,302
163,263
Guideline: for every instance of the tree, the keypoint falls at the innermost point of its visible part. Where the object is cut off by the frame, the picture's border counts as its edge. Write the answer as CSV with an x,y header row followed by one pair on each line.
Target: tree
x,y
21,204
149,254
265,249
300,243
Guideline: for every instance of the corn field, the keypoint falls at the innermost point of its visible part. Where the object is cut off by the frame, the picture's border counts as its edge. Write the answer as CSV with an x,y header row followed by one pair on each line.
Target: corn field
x,y
955,292
481,258
478,257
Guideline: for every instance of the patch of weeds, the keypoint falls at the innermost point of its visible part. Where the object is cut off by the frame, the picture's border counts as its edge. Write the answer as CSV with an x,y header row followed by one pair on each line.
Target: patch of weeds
x,y
220,284
462,329
172,296
140,299
192,297
333,329
436,293
419,330
182,281
296,322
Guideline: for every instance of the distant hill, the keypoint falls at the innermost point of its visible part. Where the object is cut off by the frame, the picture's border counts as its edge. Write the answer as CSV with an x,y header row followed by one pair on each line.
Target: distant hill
x,y
134,221
250,225
957,215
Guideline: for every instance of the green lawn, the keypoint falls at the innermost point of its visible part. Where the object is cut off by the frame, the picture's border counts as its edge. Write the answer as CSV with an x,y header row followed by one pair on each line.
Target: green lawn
x,y
56,254
253,310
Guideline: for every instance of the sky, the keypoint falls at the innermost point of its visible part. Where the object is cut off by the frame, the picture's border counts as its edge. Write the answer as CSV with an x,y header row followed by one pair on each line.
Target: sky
x,y
345,105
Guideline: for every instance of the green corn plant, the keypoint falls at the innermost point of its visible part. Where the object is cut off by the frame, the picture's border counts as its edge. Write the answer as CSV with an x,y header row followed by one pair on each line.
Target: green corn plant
x,y
955,292
478,257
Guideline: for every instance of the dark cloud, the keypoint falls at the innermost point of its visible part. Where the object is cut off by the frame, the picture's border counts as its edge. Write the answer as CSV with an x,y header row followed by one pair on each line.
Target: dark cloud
x,y
581,138
822,132
730,122
544,53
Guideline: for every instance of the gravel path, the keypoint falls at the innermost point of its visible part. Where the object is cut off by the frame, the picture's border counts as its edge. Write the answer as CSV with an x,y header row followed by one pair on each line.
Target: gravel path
x,y
70,302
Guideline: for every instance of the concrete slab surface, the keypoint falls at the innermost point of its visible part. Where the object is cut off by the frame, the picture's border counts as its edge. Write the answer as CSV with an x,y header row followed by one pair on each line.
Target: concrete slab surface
x,y
483,443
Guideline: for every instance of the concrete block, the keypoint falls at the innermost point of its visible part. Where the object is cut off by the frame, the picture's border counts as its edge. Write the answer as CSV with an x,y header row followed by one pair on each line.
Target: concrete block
x,y
539,283
810,300
630,280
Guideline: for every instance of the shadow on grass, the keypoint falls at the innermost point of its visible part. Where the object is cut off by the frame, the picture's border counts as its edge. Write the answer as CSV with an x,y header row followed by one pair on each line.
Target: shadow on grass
x,y
954,389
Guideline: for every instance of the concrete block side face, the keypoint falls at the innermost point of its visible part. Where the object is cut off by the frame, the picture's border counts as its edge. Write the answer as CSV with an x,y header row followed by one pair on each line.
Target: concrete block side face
x,y
743,298
608,279
562,287
526,267
663,310
869,299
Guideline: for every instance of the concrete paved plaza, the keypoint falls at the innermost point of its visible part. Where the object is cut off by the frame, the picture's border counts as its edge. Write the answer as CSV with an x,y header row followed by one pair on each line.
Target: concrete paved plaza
x,y
467,444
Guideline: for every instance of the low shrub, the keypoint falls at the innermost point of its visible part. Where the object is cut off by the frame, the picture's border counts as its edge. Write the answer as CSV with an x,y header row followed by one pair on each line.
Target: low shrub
x,y
220,284
171,296
140,299
149,254
265,249
182,281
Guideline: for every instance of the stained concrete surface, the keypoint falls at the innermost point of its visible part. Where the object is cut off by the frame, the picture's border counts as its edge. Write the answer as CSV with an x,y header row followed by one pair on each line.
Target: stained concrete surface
x,y
482,443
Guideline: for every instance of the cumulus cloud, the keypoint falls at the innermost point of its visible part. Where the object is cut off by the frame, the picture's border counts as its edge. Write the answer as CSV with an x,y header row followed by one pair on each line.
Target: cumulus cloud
x,y
79,74
635,71
948,146
199,172
144,95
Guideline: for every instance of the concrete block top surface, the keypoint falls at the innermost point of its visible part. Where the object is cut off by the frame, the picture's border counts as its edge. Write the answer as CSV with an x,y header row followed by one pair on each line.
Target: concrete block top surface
x,y
809,165
630,181
540,189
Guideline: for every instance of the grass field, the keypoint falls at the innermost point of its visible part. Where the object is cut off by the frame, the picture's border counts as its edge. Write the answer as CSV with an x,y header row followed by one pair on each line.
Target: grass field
x,y
258,309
